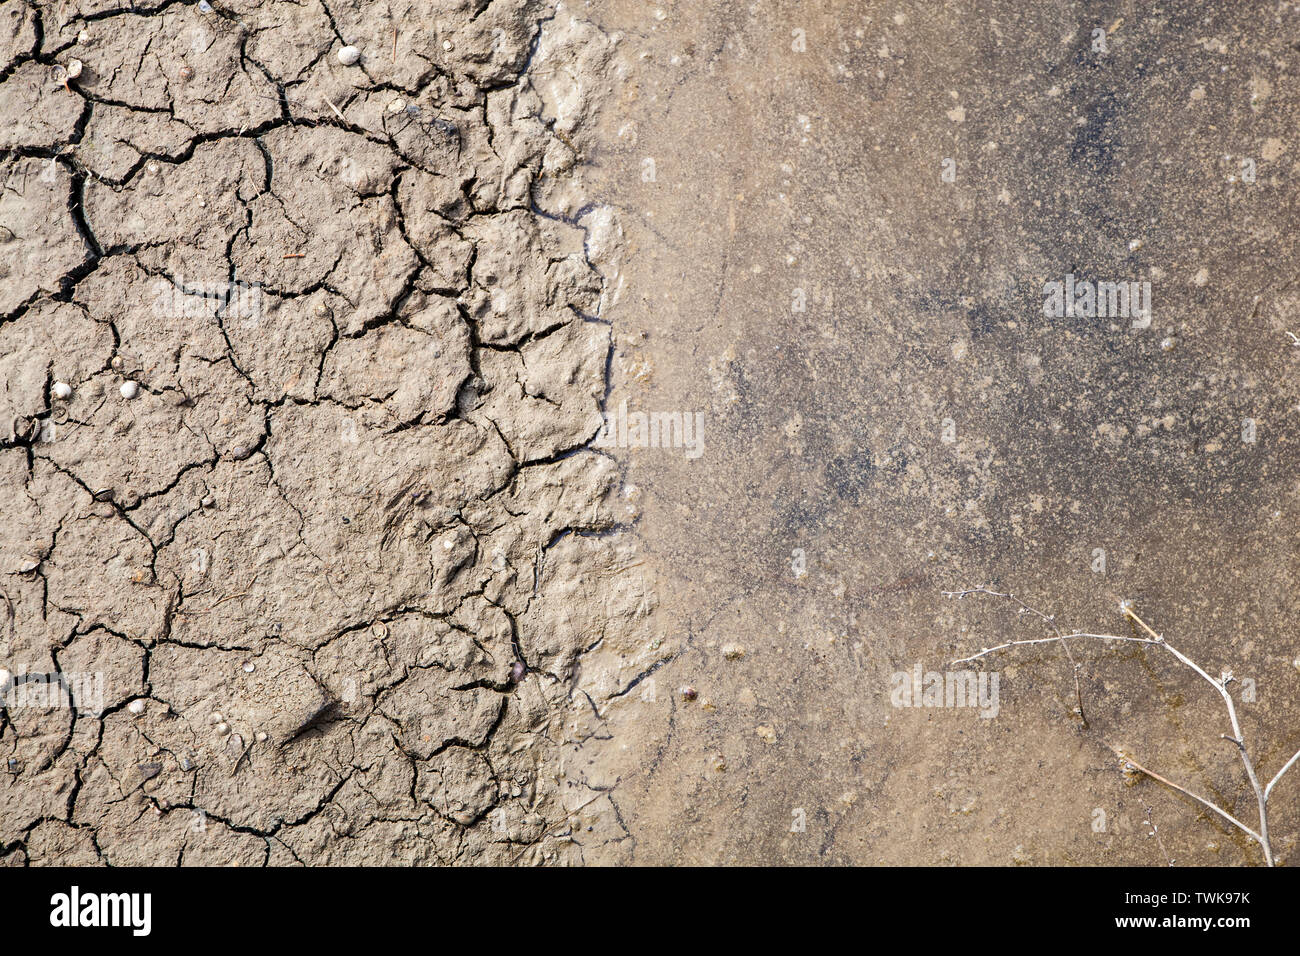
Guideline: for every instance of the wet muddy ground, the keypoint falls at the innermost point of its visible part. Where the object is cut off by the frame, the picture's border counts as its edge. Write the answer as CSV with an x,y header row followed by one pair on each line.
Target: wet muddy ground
x,y
840,261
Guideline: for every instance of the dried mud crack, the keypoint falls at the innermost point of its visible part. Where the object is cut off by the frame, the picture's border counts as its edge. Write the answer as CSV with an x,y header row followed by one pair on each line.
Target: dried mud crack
x,y
305,554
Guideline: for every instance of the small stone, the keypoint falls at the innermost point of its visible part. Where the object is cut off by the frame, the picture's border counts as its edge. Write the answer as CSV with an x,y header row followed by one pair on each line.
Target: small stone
x,y
517,671
733,652
28,563
73,69
6,680
136,707
349,55
261,736
447,45
204,6
223,728
129,389
62,390
249,667
396,106
766,733
102,494
207,501
1168,345
187,74
688,693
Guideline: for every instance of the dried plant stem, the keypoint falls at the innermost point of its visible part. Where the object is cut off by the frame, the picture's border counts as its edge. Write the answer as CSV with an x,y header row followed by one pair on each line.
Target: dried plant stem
x,y
1183,790
1050,621
1220,685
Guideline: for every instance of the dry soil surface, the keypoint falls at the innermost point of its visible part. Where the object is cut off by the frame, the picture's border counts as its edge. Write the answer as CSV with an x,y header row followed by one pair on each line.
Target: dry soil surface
x,y
329,532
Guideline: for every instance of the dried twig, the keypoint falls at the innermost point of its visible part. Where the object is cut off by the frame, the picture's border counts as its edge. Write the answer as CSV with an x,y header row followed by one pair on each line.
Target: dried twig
x,y
1050,621
1220,685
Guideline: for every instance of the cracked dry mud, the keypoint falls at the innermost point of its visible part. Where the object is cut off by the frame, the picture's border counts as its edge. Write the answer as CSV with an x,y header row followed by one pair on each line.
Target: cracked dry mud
x,y
339,560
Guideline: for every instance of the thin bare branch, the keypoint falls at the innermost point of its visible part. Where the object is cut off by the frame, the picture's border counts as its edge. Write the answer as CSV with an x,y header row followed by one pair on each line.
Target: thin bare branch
x,y
1051,640
1183,790
1050,621
1272,783
1219,684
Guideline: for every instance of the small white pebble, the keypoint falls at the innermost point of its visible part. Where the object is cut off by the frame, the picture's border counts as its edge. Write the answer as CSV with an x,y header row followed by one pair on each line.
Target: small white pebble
x,y
448,544
7,678
223,728
1135,245
62,390
129,389
446,45
136,707
349,55
249,667
261,736
74,69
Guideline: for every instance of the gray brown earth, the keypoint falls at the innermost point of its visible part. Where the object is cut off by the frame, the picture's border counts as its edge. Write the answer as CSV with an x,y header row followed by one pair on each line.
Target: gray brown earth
x,y
362,579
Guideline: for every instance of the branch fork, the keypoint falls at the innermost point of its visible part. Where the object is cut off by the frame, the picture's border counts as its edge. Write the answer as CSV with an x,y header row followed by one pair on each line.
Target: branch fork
x,y
1220,685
